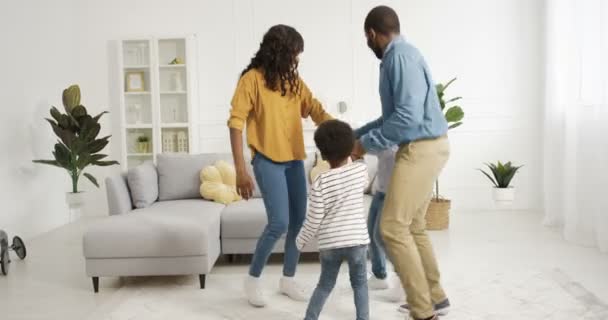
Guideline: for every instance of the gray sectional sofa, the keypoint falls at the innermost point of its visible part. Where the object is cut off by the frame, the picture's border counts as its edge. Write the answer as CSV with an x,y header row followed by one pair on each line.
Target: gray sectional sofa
x,y
178,233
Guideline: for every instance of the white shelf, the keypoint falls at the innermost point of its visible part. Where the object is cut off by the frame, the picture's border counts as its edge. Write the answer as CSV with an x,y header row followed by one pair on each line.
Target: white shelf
x,y
139,126
163,111
140,154
175,125
174,92
137,67
136,93
172,66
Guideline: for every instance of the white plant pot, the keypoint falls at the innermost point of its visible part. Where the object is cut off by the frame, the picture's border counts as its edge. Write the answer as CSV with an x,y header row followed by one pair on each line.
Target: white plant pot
x,y
75,200
504,196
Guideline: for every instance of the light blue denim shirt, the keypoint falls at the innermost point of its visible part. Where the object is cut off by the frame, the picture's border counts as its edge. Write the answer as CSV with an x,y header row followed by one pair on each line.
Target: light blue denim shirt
x,y
410,107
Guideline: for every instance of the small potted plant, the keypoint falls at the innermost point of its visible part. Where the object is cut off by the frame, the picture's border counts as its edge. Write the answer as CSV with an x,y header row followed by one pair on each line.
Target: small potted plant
x,y
501,176
78,145
143,144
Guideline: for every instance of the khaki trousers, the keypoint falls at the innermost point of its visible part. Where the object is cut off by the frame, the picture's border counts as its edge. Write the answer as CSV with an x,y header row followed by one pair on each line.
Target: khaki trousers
x,y
403,223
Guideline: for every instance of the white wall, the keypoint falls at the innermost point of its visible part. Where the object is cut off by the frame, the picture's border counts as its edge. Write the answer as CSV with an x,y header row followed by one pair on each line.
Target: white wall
x,y
494,47
39,59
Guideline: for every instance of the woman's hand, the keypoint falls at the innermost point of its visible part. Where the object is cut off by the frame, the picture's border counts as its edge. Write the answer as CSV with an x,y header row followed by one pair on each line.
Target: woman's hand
x,y
244,184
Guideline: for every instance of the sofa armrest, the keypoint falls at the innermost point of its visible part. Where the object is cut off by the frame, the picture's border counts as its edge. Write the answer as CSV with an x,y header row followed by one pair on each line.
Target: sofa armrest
x,y
119,197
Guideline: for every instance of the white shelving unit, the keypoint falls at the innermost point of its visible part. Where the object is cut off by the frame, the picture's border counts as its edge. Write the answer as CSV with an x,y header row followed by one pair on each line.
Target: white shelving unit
x,y
163,110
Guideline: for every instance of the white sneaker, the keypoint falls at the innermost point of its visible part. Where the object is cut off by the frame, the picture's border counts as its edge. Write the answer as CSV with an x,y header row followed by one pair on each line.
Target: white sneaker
x,y
289,287
374,283
254,293
396,293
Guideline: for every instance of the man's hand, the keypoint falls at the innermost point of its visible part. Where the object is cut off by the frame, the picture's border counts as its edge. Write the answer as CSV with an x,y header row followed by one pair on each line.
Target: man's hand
x,y
358,151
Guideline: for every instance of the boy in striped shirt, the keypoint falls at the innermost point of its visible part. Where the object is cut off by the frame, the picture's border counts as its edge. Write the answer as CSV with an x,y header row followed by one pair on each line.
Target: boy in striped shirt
x,y
336,218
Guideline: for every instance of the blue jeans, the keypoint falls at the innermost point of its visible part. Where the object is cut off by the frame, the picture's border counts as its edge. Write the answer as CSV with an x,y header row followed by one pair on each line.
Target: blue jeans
x,y
283,188
376,246
331,260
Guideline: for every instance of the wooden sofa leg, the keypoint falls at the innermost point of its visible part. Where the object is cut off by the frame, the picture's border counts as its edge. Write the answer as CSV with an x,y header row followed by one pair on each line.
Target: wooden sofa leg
x,y
96,284
201,278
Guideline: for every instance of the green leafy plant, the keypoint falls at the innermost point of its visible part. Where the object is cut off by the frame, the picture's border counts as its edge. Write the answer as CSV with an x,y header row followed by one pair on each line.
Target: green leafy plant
x,y
502,174
453,114
78,146
143,139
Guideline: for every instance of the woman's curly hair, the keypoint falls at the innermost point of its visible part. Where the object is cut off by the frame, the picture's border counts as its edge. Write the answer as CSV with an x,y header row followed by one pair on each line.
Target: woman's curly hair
x,y
277,59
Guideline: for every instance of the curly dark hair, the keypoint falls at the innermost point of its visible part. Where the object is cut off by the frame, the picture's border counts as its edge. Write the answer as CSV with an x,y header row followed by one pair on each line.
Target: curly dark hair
x,y
335,139
277,59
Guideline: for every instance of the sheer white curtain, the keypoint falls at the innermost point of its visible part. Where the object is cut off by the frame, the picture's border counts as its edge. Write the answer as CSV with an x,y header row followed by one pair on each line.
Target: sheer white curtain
x,y
576,120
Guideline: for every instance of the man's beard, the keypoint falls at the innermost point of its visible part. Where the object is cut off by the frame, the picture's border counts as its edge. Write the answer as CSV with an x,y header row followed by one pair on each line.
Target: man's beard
x,y
377,51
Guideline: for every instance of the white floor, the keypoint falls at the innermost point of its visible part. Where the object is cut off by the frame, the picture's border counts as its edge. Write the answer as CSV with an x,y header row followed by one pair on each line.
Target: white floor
x,y
495,266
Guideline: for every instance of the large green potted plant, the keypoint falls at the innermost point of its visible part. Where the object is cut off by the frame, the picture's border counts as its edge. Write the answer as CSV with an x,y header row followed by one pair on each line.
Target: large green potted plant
x,y
501,176
78,146
438,213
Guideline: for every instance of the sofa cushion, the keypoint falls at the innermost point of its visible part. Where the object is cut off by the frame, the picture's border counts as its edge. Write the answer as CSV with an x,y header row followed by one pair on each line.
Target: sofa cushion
x,y
247,219
143,183
165,229
178,175
244,219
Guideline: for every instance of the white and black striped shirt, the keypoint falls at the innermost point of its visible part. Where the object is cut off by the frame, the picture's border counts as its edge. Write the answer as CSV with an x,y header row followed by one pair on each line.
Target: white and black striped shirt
x,y
335,209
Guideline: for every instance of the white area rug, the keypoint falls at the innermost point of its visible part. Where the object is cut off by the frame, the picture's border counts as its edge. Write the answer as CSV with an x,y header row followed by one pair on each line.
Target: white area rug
x,y
547,294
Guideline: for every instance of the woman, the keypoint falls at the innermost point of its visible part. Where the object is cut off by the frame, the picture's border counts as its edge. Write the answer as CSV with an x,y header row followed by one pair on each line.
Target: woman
x,y
271,99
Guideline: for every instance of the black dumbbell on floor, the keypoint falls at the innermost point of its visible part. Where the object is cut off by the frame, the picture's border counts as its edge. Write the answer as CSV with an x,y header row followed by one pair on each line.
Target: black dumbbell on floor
x,y
18,246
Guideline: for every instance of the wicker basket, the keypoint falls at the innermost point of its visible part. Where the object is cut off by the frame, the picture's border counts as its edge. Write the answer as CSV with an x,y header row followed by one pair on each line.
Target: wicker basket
x,y
438,214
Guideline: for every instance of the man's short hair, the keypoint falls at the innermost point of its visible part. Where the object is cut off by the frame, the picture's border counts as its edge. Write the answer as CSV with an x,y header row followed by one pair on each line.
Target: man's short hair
x,y
382,19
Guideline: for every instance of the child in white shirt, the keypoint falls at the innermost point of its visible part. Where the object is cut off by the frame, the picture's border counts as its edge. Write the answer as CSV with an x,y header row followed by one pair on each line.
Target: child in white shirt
x,y
336,218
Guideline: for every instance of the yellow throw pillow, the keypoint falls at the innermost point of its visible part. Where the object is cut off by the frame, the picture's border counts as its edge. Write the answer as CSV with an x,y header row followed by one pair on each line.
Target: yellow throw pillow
x,y
218,183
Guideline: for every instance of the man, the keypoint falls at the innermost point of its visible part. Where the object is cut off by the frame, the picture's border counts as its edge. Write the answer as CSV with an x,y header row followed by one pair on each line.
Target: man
x,y
411,118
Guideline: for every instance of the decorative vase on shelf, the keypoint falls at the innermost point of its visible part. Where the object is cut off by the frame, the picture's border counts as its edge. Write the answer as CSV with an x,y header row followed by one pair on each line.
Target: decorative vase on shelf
x,y
177,82
182,142
143,144
141,54
143,147
137,112
169,141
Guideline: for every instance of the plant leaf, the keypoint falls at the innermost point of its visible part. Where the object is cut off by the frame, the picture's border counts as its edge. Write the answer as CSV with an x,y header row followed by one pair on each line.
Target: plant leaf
x,y
445,86
62,155
78,111
509,176
439,88
97,117
56,114
105,163
89,129
49,162
71,98
454,114
453,99
91,178
98,145
64,135
455,125
489,177
84,160
97,157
